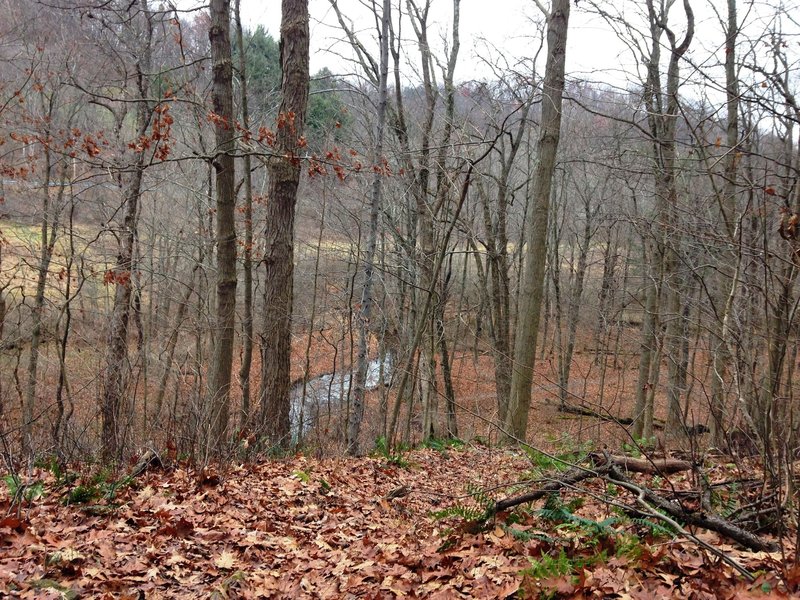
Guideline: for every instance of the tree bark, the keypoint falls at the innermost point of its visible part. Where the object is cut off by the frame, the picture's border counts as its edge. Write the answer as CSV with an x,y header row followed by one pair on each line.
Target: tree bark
x,y
284,172
219,382
365,313
536,235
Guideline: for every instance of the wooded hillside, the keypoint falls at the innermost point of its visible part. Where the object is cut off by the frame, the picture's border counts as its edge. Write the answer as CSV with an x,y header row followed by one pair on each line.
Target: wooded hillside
x,y
214,253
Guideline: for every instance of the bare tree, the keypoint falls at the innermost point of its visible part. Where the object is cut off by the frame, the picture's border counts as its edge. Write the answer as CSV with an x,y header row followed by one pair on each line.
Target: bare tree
x,y
222,96
247,264
530,293
662,105
284,172
365,313
114,374
732,229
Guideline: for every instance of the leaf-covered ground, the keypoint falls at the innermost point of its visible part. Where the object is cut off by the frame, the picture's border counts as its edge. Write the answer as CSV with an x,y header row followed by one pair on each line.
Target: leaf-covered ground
x,y
350,528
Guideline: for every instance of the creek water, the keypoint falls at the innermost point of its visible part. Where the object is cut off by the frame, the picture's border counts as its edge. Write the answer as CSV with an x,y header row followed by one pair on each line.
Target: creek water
x,y
328,393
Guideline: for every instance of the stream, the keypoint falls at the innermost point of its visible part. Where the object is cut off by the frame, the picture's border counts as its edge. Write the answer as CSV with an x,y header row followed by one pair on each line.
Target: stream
x,y
329,392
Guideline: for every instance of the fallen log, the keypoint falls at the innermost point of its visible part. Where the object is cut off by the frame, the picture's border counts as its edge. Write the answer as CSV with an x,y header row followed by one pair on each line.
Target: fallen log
x,y
571,477
654,466
710,522
612,471
149,459
587,412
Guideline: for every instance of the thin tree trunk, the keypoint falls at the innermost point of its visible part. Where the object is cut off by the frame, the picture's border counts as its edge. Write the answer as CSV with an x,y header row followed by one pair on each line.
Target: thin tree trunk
x,y
497,264
247,266
728,210
365,313
536,237
573,310
49,227
63,417
172,343
114,378
642,425
219,381
667,193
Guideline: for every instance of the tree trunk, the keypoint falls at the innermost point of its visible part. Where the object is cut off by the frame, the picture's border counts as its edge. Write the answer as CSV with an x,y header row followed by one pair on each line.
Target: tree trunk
x,y
49,231
116,362
662,113
497,266
365,312
62,415
642,413
219,381
536,236
667,197
247,265
573,310
728,285
172,343
284,171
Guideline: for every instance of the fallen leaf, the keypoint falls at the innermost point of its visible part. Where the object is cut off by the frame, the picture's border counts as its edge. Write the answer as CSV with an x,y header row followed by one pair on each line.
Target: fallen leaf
x,y
226,560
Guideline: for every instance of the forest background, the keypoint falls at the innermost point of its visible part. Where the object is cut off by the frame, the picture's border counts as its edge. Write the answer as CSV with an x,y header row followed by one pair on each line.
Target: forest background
x,y
143,245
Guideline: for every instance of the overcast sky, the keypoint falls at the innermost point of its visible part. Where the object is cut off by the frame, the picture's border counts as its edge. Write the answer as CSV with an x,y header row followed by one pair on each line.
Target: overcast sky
x,y
506,24
491,27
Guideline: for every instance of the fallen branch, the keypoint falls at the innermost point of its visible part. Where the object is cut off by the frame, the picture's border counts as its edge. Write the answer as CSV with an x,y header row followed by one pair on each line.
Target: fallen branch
x,y
709,522
612,470
569,478
587,412
641,494
659,466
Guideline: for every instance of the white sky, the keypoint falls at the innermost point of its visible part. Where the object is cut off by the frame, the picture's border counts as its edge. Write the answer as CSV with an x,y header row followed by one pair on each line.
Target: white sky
x,y
508,25
594,52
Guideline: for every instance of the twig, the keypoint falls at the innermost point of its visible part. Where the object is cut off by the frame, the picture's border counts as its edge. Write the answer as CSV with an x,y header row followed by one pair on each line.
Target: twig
x,y
710,522
641,494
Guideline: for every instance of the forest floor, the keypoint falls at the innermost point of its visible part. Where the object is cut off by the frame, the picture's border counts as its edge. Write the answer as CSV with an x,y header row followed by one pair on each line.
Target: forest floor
x,y
385,526
390,525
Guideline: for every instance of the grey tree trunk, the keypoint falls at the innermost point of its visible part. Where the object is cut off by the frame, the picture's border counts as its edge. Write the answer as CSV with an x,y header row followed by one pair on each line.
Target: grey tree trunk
x,y
532,284
49,233
114,377
573,309
443,199
667,198
642,413
172,343
365,313
498,283
728,283
662,112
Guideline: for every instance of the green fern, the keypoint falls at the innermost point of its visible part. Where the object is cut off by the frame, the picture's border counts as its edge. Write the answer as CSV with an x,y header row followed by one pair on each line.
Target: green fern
x,y
470,514
656,529
527,536
479,510
556,511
